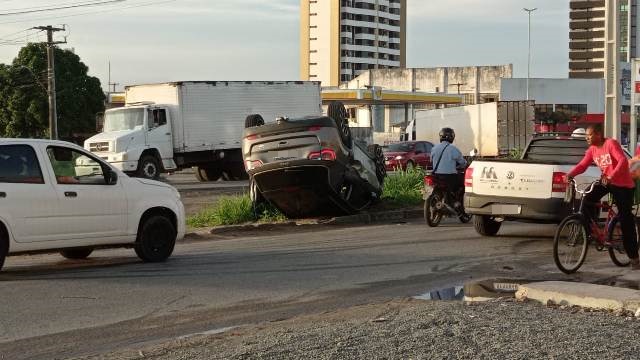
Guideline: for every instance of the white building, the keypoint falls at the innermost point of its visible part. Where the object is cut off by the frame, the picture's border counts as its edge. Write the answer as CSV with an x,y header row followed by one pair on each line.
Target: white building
x,y
340,39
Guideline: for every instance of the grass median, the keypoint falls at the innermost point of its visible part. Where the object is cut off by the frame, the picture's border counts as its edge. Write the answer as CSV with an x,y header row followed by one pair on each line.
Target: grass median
x,y
401,189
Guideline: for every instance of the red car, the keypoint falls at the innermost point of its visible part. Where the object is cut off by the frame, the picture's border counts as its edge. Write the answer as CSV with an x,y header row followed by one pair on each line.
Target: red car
x,y
407,154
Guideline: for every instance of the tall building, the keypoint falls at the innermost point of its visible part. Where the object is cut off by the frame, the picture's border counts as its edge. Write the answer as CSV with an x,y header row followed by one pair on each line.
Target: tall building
x,y
587,38
340,39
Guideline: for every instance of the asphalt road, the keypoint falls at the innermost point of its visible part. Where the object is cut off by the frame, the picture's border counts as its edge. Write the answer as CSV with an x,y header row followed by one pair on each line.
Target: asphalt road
x,y
53,307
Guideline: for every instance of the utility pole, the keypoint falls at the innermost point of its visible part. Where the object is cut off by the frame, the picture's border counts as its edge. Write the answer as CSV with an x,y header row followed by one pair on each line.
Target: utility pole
x,y
458,85
529,11
51,75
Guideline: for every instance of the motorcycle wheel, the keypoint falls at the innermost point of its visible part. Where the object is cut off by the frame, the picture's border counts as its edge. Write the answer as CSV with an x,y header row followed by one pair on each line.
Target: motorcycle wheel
x,y
464,218
431,214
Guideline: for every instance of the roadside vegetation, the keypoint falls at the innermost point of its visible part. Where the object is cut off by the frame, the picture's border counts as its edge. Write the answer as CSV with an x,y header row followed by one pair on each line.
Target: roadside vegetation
x,y
403,188
233,210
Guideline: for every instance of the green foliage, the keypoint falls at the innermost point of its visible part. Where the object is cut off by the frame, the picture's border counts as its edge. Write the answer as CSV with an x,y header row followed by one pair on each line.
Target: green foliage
x,y
233,210
515,154
404,187
24,109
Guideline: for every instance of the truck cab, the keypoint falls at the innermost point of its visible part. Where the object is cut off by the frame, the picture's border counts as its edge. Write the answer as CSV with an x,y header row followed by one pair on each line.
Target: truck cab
x,y
136,139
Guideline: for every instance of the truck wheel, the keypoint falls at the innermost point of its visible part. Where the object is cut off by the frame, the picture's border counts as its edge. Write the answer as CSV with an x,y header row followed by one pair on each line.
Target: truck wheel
x,y
378,155
339,114
210,173
253,120
235,172
4,245
148,167
76,253
485,225
156,239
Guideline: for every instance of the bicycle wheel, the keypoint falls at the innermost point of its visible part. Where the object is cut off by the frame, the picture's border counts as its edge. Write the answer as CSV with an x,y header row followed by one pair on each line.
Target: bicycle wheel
x,y
616,250
570,244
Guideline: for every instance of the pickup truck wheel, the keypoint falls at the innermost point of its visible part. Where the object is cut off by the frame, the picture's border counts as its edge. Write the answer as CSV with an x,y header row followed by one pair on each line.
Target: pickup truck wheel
x,y
148,167
76,253
339,114
485,225
204,174
4,246
156,239
253,120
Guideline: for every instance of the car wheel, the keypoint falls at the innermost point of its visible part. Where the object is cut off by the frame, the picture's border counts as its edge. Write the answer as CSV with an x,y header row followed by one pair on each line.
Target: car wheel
x,y
76,253
210,173
156,239
485,225
339,114
253,120
4,246
410,166
378,155
148,167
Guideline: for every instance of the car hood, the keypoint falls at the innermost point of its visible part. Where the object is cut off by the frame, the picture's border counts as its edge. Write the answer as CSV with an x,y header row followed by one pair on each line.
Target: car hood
x,y
111,135
154,183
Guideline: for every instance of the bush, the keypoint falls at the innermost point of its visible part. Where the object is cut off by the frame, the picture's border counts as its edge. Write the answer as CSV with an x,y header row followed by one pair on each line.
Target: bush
x,y
404,187
233,210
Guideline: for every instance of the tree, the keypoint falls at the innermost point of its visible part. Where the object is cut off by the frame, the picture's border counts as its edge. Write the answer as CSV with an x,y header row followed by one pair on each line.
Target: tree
x,y
24,107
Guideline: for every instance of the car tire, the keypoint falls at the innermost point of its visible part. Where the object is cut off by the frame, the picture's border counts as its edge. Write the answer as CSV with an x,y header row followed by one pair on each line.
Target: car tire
x,y
410,166
148,167
209,173
76,253
4,246
156,239
485,225
253,120
339,115
378,155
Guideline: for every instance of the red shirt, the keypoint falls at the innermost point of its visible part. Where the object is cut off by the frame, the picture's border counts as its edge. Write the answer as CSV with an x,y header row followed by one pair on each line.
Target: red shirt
x,y
611,160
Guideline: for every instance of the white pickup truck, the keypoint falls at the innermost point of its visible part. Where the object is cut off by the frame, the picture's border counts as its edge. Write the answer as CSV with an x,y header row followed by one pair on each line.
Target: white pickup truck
x,y
56,196
530,189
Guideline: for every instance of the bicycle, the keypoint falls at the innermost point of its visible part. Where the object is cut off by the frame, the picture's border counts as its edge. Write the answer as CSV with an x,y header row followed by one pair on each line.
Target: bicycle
x,y
577,231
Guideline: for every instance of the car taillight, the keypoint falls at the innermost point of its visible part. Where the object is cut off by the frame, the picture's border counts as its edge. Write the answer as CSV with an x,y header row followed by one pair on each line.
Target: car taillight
x,y
468,177
251,137
558,183
250,165
324,154
315,128
428,180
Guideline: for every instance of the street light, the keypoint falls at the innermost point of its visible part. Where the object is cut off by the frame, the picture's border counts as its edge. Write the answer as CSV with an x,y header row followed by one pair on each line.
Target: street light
x,y
529,11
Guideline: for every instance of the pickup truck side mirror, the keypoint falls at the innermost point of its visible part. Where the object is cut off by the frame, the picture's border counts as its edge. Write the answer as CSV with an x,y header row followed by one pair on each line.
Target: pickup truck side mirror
x,y
111,177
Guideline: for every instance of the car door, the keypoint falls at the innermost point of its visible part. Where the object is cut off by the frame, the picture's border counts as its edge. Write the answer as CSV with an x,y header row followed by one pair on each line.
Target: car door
x,y
89,204
159,135
428,162
421,155
28,203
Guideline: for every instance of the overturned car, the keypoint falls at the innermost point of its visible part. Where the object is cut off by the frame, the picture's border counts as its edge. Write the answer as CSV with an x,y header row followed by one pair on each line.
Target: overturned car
x,y
311,166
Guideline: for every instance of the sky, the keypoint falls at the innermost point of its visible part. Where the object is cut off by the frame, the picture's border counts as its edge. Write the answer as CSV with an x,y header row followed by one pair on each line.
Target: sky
x,y
172,40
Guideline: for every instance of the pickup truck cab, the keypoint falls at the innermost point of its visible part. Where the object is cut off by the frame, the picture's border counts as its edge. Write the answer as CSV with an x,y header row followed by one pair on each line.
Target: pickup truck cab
x,y
56,196
530,189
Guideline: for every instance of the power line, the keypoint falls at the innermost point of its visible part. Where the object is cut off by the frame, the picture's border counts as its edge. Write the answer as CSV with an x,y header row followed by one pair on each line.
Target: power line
x,y
151,3
104,2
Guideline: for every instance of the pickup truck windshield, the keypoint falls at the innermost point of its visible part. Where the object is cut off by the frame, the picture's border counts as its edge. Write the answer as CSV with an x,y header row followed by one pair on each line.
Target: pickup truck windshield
x,y
123,119
569,151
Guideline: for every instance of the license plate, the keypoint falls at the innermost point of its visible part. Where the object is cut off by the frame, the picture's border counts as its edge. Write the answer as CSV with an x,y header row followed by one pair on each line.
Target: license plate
x,y
428,190
506,209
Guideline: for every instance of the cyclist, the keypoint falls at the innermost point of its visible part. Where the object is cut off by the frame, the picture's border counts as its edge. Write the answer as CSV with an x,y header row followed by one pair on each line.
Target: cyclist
x,y
446,160
615,179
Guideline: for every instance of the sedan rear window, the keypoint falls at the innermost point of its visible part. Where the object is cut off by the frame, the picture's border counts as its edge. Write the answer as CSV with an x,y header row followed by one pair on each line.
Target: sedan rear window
x,y
401,147
19,164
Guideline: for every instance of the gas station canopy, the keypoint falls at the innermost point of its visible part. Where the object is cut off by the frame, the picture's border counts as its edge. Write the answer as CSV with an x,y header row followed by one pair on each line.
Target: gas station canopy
x,y
386,97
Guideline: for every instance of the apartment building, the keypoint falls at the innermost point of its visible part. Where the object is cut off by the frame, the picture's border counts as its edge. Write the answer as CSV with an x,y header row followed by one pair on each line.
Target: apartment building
x,y
340,39
587,37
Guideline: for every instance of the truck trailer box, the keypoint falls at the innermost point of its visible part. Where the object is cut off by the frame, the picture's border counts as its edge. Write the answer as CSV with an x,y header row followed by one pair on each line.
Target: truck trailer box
x,y
493,129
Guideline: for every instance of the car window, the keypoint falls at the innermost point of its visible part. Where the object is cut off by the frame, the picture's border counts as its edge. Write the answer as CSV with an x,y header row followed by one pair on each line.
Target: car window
x,y
71,166
401,147
563,150
428,146
19,164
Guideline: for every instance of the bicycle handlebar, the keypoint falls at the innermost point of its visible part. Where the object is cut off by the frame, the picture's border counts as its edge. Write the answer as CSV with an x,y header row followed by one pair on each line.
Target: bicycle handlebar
x,y
586,190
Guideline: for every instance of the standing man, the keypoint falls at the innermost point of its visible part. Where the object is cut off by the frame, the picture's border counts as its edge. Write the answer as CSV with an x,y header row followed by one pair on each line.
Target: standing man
x,y
615,179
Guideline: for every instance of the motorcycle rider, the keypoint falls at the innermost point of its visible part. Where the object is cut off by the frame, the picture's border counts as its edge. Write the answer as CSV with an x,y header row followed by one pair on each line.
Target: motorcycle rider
x,y
446,159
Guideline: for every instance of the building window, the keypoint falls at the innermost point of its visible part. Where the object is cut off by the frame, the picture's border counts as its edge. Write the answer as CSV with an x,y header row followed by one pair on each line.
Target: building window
x,y
573,111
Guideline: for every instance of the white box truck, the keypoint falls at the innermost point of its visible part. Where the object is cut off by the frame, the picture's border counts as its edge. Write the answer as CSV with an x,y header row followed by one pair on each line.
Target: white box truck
x,y
493,129
172,126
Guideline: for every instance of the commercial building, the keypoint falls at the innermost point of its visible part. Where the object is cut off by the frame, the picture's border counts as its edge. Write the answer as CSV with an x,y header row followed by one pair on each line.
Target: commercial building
x,y
587,36
340,39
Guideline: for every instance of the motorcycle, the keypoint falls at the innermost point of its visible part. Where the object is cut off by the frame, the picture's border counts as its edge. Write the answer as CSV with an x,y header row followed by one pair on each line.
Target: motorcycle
x,y
440,201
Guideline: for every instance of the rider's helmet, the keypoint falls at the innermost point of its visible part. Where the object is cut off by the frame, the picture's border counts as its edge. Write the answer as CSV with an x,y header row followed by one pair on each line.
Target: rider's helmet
x,y
447,134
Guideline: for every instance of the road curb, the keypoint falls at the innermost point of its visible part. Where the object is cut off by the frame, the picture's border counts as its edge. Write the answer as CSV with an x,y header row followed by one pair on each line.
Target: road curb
x,y
366,218
599,297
